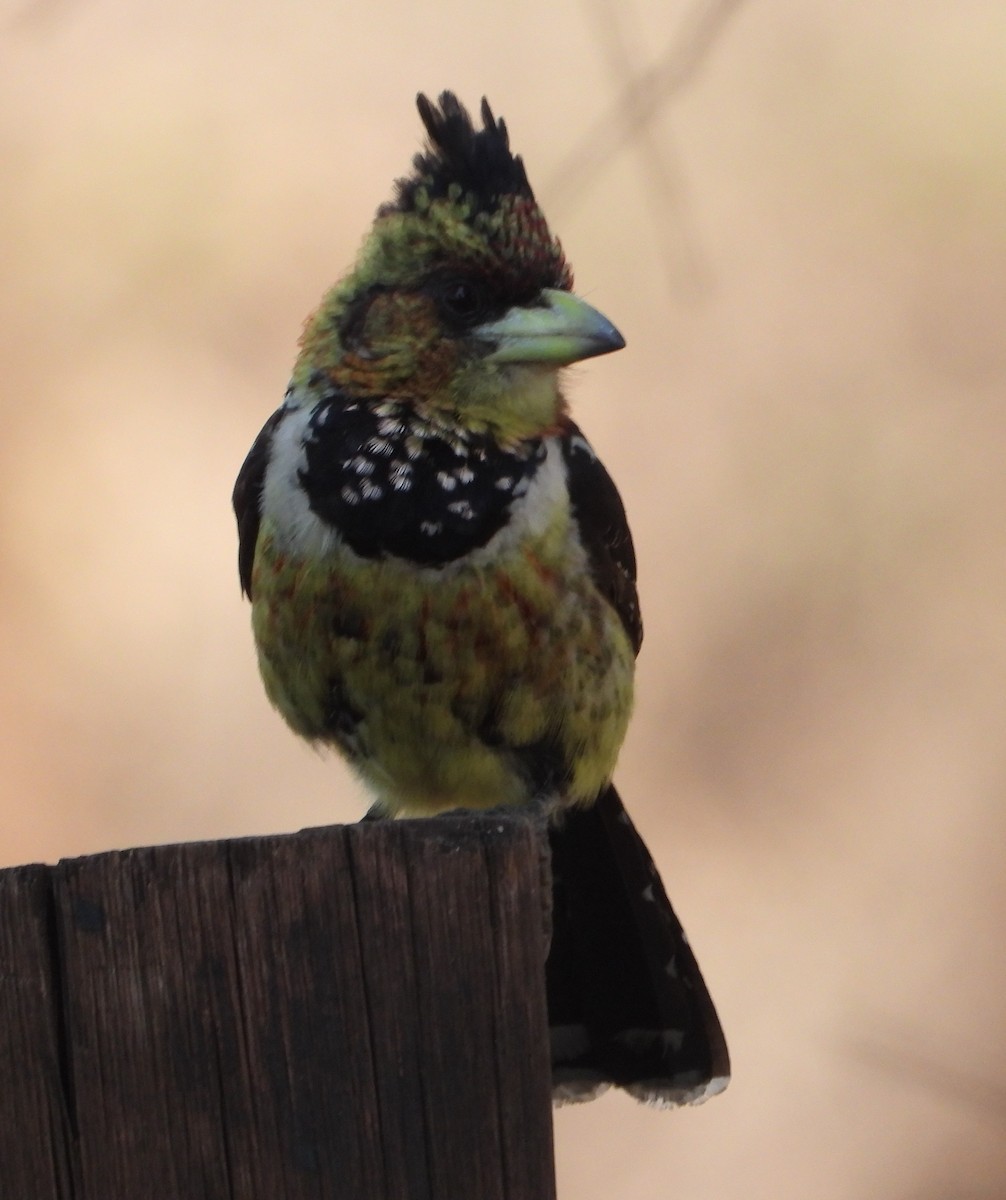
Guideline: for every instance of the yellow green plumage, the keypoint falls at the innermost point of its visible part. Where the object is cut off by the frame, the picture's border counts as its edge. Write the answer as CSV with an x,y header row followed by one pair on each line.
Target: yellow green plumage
x,y
453,666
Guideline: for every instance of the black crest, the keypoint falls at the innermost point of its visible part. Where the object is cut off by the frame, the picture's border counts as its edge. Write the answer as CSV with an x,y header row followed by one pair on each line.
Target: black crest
x,y
479,160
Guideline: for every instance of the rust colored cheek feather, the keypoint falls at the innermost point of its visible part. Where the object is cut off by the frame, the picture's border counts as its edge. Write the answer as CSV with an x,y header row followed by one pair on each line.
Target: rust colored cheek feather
x,y
398,351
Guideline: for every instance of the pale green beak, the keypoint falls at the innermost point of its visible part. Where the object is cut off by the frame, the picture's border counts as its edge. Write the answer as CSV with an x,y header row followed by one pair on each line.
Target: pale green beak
x,y
561,329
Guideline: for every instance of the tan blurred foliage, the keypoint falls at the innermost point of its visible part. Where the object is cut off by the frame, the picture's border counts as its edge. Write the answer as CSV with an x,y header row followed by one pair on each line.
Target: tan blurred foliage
x,y
806,249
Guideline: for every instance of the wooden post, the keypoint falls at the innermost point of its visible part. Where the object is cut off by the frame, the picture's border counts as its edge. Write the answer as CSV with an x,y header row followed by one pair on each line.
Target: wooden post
x,y
352,1012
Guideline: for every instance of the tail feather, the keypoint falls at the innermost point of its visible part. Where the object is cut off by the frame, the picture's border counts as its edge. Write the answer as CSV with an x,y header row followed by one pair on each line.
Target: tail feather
x,y
627,1003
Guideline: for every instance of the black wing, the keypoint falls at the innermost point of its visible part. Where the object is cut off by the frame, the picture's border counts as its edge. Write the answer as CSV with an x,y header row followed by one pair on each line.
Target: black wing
x,y
604,531
247,500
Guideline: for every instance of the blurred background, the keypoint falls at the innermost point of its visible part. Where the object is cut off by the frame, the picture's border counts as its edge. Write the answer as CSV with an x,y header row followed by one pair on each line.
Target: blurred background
x,y
796,213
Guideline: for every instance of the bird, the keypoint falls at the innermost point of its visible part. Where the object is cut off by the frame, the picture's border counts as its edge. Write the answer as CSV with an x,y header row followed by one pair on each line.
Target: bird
x,y
444,589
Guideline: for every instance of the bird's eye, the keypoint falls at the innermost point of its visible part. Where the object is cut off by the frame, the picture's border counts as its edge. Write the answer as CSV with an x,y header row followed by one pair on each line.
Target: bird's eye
x,y
463,300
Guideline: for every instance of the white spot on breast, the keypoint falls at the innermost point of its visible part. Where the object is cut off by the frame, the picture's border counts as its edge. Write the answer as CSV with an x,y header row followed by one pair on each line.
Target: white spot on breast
x,y
350,495
447,482
461,508
430,528
542,497
400,476
371,491
361,465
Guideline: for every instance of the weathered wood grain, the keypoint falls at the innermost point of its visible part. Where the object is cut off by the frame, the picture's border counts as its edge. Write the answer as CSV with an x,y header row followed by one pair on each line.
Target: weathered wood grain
x,y
35,1139
350,1012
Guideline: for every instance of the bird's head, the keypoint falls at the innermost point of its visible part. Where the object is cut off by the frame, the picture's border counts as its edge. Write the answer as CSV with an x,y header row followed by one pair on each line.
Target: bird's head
x,y
461,300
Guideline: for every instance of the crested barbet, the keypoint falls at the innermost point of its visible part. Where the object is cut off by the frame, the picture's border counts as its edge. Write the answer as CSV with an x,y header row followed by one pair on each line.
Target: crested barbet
x,y
443,583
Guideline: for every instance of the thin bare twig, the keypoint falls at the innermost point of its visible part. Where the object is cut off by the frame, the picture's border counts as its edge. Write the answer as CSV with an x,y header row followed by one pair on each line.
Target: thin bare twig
x,y
640,99
965,1088
685,270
